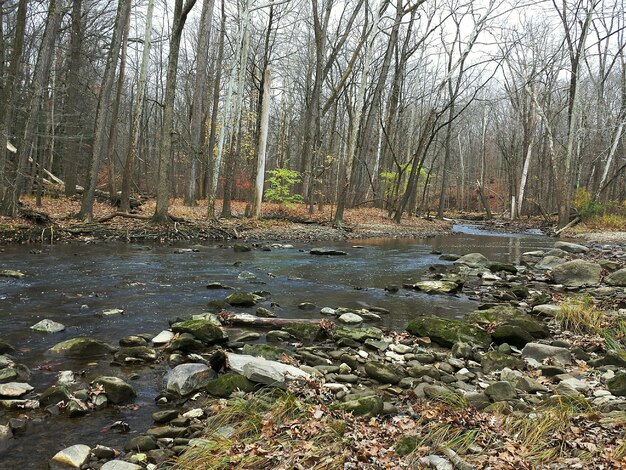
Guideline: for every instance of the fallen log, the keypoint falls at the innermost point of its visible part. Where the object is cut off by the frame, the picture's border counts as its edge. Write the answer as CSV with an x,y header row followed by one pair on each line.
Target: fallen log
x,y
245,319
122,214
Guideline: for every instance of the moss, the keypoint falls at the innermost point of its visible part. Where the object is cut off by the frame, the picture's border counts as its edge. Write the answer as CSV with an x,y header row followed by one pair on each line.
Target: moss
x,y
406,445
226,384
82,346
495,360
243,299
273,353
446,332
305,332
204,330
357,334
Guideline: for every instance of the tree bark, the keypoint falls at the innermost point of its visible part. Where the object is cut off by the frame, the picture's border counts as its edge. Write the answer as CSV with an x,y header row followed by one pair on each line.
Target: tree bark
x,y
265,121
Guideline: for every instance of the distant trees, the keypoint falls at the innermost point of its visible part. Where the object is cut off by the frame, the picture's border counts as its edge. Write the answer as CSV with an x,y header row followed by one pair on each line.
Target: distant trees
x,y
415,106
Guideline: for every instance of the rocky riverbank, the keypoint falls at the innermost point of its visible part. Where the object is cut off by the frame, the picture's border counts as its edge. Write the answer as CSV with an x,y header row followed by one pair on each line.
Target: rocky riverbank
x,y
534,377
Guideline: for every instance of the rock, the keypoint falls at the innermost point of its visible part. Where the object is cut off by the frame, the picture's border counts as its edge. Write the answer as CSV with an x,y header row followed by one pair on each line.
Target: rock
x,y
462,350
5,347
571,247
217,286
243,299
549,310
305,332
164,416
327,252
188,378
350,318
267,351
437,287
307,306
261,370
328,311
5,435
501,391
446,332
549,262
618,278
82,347
48,326
120,465
164,432
14,389
612,358
511,334
437,392
473,260
495,267
495,360
204,330
277,336
513,327
263,312
71,457
577,273
384,373
368,406
226,384
240,248
54,395
358,334
246,275
11,273
141,444
117,391
135,354
539,352
617,385
163,337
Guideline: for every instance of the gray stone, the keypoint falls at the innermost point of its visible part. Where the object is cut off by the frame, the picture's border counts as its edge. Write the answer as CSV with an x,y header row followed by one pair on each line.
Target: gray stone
x,y
188,378
577,273
71,457
350,318
548,310
368,406
120,465
203,330
384,373
327,252
163,337
618,278
436,287
500,391
617,385
358,334
141,444
5,435
261,370
117,391
549,262
263,312
11,273
540,352
571,247
243,299
446,332
473,260
14,389
48,326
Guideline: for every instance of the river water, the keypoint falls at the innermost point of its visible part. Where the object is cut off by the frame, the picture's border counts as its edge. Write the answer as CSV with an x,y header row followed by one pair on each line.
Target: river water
x,y
74,284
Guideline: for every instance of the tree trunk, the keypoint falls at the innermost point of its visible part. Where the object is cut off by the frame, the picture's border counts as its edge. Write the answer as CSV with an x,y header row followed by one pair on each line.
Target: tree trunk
x,y
103,110
265,121
163,183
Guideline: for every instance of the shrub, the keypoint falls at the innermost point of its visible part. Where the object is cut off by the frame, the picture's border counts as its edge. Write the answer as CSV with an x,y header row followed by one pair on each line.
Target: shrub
x,y
280,185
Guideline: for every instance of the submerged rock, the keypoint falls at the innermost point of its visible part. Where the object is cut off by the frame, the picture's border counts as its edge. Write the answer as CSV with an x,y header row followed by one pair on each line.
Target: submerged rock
x,y
5,347
243,299
11,273
577,273
445,332
83,347
48,326
328,252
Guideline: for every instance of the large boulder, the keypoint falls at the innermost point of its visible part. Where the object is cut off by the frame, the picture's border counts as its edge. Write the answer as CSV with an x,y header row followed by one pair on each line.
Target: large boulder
x,y
540,352
204,330
384,373
188,378
474,260
14,389
549,262
577,273
446,332
116,390
82,347
260,370
71,457
512,326
618,278
571,247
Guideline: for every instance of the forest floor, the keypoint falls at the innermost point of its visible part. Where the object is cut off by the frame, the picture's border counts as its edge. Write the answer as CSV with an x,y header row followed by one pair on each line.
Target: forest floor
x,y
56,220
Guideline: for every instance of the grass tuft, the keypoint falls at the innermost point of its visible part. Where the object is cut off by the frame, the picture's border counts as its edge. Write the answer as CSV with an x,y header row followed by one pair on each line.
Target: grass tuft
x,y
580,315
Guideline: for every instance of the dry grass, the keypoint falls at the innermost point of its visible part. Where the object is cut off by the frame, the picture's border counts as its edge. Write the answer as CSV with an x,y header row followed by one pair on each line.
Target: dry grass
x,y
580,315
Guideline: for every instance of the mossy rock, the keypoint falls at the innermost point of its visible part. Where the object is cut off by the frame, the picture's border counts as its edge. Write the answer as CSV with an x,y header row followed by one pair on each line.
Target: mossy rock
x,y
445,332
512,317
495,360
496,267
226,384
612,358
82,347
54,395
136,353
407,444
368,407
117,391
511,334
617,385
305,332
217,305
357,334
243,299
5,347
268,351
204,330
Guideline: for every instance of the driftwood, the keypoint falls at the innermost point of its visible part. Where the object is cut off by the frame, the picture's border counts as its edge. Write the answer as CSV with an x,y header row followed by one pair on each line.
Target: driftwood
x,y
123,214
245,319
571,224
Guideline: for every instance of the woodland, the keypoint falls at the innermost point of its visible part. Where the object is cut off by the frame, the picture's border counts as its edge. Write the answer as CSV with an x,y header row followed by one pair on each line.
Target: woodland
x,y
413,107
